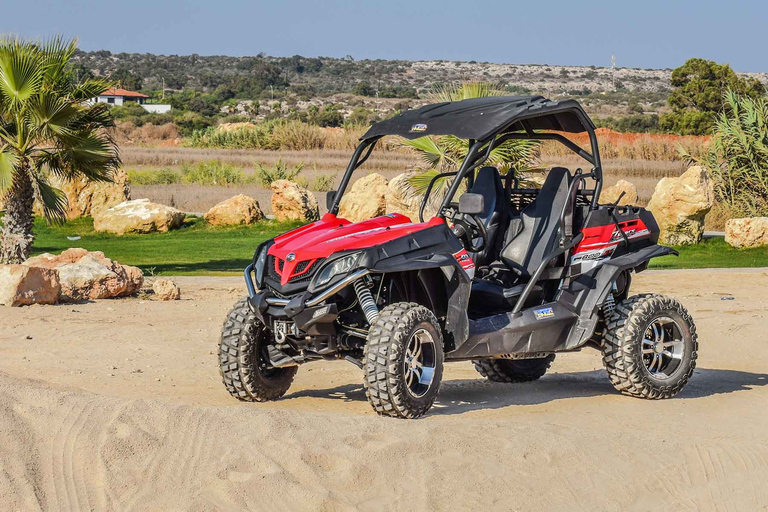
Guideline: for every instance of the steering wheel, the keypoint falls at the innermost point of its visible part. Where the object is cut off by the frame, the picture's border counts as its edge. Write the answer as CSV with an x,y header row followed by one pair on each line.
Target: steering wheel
x,y
468,228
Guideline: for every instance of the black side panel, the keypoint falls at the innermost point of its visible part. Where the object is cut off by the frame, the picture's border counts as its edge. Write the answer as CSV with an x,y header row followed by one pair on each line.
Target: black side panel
x,y
543,328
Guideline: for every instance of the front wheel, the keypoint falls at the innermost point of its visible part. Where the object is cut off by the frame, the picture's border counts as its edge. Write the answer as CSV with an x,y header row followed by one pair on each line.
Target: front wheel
x,y
243,359
650,346
403,361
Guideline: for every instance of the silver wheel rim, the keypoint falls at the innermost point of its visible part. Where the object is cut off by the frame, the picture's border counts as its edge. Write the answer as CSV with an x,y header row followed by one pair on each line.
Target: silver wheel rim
x,y
419,363
663,347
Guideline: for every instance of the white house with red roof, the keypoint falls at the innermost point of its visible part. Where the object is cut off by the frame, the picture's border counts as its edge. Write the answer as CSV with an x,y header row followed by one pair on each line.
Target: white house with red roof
x,y
118,97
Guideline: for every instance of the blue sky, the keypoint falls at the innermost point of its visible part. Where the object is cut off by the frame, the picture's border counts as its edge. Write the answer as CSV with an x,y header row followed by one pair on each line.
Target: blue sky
x,y
648,33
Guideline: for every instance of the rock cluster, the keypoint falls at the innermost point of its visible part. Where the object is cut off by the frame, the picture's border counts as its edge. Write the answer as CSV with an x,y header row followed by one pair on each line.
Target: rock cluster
x,y
84,275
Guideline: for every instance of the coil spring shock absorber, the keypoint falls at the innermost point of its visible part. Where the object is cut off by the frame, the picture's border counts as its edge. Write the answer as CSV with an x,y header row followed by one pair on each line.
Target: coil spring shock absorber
x,y
367,304
610,303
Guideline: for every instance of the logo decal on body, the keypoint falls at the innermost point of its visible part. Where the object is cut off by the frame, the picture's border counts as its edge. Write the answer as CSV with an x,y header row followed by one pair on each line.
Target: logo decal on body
x,y
419,127
466,262
543,313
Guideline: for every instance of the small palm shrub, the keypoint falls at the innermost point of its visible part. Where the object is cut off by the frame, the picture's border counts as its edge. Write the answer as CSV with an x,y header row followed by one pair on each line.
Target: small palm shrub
x,y
446,152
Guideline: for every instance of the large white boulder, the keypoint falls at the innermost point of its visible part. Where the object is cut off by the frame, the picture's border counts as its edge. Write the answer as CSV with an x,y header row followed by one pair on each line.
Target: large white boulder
x,y
240,209
365,199
21,285
137,216
747,232
291,201
680,204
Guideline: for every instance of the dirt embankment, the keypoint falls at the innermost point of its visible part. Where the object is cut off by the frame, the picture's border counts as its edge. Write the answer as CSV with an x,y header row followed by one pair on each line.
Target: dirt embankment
x,y
118,405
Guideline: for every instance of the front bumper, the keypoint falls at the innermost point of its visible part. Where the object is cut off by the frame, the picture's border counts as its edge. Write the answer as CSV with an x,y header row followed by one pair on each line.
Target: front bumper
x,y
310,312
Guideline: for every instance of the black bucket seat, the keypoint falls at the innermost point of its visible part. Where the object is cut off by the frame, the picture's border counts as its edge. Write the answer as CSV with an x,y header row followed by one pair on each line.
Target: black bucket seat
x,y
488,184
529,237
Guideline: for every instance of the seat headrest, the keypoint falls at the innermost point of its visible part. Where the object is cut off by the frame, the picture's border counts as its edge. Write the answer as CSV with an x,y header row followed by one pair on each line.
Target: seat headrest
x,y
555,178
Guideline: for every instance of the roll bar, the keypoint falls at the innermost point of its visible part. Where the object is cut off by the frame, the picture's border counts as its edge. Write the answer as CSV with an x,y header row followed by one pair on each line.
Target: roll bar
x,y
479,152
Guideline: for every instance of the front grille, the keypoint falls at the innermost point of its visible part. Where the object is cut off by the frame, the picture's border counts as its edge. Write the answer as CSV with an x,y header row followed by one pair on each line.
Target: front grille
x,y
305,271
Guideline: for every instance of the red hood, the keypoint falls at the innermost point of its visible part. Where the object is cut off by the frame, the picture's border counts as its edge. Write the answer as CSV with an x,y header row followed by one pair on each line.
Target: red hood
x,y
331,234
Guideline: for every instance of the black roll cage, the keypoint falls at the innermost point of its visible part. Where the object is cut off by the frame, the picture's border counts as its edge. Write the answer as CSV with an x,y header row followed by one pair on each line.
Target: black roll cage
x,y
479,151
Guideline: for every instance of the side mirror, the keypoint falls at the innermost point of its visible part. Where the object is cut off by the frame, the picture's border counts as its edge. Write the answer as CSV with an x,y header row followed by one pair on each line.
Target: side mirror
x,y
329,197
472,204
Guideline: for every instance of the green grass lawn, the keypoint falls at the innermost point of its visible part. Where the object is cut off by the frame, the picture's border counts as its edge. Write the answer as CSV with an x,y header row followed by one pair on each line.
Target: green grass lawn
x,y
713,253
200,249
195,249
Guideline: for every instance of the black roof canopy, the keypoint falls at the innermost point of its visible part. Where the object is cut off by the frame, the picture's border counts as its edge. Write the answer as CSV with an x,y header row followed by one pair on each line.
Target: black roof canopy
x,y
479,118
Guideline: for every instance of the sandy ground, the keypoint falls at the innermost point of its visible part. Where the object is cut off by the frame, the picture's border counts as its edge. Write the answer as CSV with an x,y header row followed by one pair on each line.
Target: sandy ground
x,y
118,405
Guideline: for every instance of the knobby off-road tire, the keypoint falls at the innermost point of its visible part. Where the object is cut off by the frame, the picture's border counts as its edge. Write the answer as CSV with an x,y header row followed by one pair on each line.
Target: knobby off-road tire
x,y
640,374
391,382
513,370
242,359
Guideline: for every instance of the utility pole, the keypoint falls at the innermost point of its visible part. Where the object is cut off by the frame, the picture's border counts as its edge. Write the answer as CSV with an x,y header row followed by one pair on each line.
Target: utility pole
x,y
162,94
613,71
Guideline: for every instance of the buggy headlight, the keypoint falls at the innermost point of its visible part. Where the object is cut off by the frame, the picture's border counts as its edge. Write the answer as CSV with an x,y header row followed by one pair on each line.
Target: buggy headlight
x,y
338,266
261,262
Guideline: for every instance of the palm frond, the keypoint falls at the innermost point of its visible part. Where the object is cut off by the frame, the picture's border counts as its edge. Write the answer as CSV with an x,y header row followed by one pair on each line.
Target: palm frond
x,y
92,155
8,163
53,200
434,155
464,91
91,88
21,71
52,115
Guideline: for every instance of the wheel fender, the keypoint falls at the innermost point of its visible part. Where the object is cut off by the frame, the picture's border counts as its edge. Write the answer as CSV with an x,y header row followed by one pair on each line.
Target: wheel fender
x,y
604,277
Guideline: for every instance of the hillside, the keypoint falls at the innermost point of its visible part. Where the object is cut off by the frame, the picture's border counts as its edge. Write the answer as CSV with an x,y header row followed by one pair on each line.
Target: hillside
x,y
325,75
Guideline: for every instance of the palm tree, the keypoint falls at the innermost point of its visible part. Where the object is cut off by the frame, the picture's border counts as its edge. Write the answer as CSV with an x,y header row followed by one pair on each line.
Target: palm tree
x,y
47,127
446,152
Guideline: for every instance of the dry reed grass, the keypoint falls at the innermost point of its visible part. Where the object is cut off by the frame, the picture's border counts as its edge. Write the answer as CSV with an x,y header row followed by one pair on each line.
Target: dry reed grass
x,y
640,158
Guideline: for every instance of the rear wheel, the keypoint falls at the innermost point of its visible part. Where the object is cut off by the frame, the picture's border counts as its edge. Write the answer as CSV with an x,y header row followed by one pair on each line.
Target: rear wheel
x,y
650,347
513,370
243,358
403,361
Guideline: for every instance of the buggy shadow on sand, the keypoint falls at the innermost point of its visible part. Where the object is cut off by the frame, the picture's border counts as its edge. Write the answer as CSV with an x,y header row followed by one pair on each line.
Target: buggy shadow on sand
x,y
505,277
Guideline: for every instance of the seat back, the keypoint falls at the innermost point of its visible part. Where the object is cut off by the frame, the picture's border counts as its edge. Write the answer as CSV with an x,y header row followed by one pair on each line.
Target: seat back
x,y
534,234
488,184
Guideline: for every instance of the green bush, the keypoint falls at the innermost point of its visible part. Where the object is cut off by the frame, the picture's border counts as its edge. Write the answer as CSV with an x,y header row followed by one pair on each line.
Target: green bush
x,y
153,177
212,172
323,182
265,174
